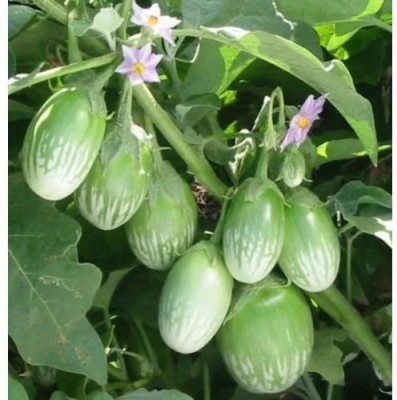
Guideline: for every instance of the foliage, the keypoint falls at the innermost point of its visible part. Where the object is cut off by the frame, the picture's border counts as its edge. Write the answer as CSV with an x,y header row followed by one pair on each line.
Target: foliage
x,y
83,310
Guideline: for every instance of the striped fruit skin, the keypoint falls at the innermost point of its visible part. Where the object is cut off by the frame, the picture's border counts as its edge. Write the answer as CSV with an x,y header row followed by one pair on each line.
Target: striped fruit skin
x,y
293,170
61,144
165,224
311,252
253,234
267,344
111,194
195,299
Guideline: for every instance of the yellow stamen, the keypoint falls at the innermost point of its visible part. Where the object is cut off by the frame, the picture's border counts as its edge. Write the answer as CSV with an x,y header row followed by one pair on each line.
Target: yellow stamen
x,y
152,20
303,122
138,68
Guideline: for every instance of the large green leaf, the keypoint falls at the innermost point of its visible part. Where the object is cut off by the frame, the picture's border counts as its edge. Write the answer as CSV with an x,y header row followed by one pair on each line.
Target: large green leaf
x,y
49,291
326,359
342,149
19,18
246,14
315,12
16,391
331,77
379,226
105,293
356,193
143,394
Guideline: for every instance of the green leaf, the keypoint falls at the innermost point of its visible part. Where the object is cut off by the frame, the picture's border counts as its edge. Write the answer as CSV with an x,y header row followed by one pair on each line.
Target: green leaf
x,y
217,151
18,111
100,396
195,108
247,14
19,18
16,391
326,359
379,226
215,76
138,295
12,62
143,394
342,149
356,193
314,12
49,291
331,77
57,395
106,22
227,63
241,394
105,293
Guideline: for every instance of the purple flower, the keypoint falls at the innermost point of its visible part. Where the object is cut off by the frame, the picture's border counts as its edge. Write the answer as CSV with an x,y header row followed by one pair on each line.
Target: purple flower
x,y
151,18
302,122
139,65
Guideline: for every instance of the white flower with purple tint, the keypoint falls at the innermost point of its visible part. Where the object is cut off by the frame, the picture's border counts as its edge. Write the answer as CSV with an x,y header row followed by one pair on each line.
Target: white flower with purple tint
x,y
139,65
151,17
302,122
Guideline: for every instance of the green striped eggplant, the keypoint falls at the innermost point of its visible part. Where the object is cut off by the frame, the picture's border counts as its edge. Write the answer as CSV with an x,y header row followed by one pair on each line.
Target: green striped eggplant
x,y
116,185
266,343
62,142
293,168
311,252
195,298
165,224
253,232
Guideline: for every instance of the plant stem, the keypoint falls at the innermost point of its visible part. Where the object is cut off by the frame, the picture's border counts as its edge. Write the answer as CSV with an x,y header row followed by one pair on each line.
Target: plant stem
x,y
149,349
206,382
330,391
314,395
74,55
26,82
197,163
123,369
59,13
263,164
349,246
125,10
338,307
54,9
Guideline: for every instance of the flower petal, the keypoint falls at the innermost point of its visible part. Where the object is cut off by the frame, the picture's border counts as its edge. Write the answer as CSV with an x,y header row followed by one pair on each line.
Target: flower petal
x,y
139,17
144,53
168,22
167,35
124,68
154,10
129,54
135,79
153,61
150,75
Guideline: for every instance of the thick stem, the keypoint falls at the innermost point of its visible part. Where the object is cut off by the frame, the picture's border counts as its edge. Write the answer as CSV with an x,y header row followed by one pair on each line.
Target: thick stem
x,y
96,62
74,55
125,103
124,12
198,165
338,307
314,395
263,164
206,382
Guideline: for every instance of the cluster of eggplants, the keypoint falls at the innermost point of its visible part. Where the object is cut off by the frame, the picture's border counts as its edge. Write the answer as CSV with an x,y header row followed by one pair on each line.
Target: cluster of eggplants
x,y
266,344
